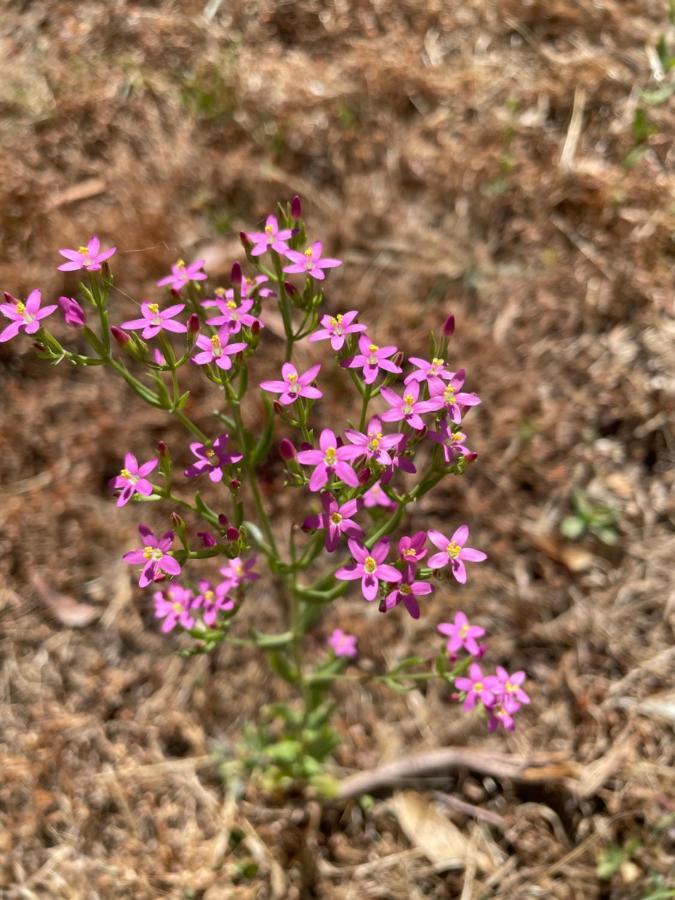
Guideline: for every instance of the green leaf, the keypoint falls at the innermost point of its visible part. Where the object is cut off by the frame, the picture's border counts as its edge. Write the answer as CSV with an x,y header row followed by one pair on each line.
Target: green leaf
x,y
607,535
660,95
286,751
572,527
281,666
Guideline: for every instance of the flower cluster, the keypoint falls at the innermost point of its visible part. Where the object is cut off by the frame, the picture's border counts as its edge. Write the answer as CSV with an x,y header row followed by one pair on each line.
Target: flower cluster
x,y
357,475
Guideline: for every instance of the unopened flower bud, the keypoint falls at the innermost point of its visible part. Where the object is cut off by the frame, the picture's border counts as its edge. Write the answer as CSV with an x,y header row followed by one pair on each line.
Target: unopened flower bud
x,y
73,313
235,484
193,323
255,328
290,289
120,336
177,521
286,449
364,475
246,244
277,407
471,457
174,293
232,534
296,207
207,538
162,448
449,326
398,358
9,298
223,521
307,525
235,274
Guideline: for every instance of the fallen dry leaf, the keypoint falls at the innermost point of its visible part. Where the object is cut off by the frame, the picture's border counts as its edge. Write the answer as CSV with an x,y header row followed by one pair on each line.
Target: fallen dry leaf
x,y
68,611
435,835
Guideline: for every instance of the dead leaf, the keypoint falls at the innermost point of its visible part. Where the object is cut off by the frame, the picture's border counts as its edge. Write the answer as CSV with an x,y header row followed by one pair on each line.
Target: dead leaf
x,y
573,558
435,835
68,611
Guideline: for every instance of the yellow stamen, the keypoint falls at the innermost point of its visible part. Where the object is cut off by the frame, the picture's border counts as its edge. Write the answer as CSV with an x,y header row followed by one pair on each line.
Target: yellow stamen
x,y
154,308
373,348
231,304
436,363
308,251
215,342
269,229
336,518
219,292
292,378
177,606
152,553
405,589
410,553
180,264
20,307
453,550
208,596
449,395
479,687
330,456
369,565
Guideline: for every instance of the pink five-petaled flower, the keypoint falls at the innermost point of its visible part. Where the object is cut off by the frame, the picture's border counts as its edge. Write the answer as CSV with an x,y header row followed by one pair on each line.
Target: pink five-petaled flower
x,y
212,459
408,406
508,690
330,459
153,556
450,395
336,329
426,369
153,320
343,644
173,605
499,715
336,519
132,480
272,236
232,316
87,257
238,571
371,359
412,550
370,567
454,552
294,385
374,444
375,496
73,314
310,262
462,635
476,687
407,593
215,349
182,274
452,443
210,600
26,316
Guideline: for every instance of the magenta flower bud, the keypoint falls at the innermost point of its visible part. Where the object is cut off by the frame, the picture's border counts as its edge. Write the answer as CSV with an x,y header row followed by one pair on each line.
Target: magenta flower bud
x,y
223,521
286,449
9,298
255,328
120,336
232,534
73,313
235,274
364,475
193,323
290,289
162,448
235,484
471,457
207,538
246,244
175,293
277,407
296,207
449,326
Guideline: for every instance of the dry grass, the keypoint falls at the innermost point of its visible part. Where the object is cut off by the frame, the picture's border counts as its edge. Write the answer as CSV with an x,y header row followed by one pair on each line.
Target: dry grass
x,y
489,159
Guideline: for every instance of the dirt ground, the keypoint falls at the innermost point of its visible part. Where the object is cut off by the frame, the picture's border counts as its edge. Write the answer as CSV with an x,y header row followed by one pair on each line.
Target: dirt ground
x,y
509,162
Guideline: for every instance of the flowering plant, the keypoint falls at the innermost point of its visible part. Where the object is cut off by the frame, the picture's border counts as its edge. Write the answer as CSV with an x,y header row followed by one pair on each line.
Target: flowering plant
x,y
404,437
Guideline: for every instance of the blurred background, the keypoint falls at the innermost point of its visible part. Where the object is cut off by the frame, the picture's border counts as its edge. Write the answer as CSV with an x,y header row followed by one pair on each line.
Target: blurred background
x,y
511,163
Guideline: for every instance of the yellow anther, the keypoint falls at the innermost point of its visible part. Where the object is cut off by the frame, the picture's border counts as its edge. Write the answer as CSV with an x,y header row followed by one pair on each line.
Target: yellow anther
x,y
369,565
408,399
209,596
292,378
373,348
308,251
405,589
177,606
210,454
269,229
180,264
219,292
83,250
410,552
453,550
330,456
231,304
20,307
152,553
154,308
479,687
436,363
336,518
215,342
464,630
449,394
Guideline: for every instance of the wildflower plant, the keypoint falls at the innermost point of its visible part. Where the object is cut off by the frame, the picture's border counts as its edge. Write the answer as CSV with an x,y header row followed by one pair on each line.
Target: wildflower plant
x,y
358,478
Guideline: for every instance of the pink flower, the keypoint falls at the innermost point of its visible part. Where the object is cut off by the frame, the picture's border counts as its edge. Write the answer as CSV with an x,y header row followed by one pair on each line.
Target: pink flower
x,y
343,644
329,460
236,572
89,257
336,519
212,459
375,496
407,593
452,443
173,605
374,444
26,316
251,285
425,369
272,237
476,688
153,320
232,316
371,359
507,688
294,385
215,349
412,550
370,567
499,715
462,635
132,480
73,313
211,600
454,552
182,274
408,407
154,556
449,396
399,460
310,262
336,329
